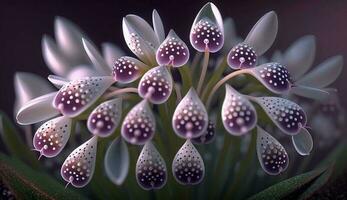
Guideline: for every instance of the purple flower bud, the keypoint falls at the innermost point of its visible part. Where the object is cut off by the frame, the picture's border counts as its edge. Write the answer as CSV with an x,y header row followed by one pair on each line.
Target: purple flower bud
x,y
242,56
206,137
127,69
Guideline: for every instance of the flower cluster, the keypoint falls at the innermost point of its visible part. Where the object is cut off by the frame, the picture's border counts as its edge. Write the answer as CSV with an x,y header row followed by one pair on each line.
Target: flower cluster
x,y
92,90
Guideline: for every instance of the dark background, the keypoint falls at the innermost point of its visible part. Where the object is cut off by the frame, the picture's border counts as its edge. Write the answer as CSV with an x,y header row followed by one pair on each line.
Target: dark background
x,y
22,25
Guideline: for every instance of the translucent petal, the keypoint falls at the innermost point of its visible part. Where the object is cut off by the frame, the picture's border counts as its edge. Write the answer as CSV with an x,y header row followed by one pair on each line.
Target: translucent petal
x,y
151,171
273,76
188,166
158,26
231,38
263,33
156,85
277,56
207,32
309,92
117,161
104,119
111,52
287,115
76,96
95,57
300,55
172,51
190,118
127,69
139,125
36,110
238,114
272,156
81,71
208,136
324,74
242,56
52,136
303,142
57,81
54,58
78,168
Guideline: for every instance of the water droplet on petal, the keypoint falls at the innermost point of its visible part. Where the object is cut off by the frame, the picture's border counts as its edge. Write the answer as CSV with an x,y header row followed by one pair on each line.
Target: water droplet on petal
x,y
151,172
78,168
188,167
207,136
127,69
242,56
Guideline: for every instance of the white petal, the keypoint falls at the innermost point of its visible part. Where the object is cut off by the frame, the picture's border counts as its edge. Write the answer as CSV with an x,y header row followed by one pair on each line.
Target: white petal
x,y
300,55
263,33
58,81
36,110
111,52
303,142
277,56
309,92
69,39
117,161
81,71
209,10
272,156
55,59
324,74
158,26
98,61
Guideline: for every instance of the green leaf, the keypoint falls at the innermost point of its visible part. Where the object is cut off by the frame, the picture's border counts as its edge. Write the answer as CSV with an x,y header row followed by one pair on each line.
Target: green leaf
x,y
186,78
14,143
289,186
338,157
27,183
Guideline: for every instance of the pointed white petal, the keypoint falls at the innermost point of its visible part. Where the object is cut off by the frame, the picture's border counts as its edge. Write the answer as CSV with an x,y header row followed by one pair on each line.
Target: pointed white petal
x,y
111,52
190,118
309,92
58,81
104,119
324,74
54,58
78,95
139,125
188,166
81,71
263,33
151,172
95,57
272,156
52,136
300,55
238,114
117,161
36,110
158,26
303,142
78,168
127,69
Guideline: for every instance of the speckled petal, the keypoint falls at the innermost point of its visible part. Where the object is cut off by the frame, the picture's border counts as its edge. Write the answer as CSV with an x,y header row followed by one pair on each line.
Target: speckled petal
x,y
190,118
52,136
303,142
172,51
238,114
151,171
78,168
139,125
105,118
208,136
76,96
127,69
156,85
272,156
188,166
242,56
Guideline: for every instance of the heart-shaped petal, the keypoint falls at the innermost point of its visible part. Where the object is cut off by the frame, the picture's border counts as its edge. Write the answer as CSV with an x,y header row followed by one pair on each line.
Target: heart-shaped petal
x,y
263,33
207,32
287,115
139,125
76,96
95,57
188,166
272,156
52,136
151,172
117,161
172,51
273,76
78,168
190,118
208,136
242,56
105,118
127,69
111,52
156,85
303,142
238,114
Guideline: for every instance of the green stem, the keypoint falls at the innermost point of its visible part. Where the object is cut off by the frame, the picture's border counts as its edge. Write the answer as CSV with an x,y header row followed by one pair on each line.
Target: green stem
x,y
203,71
119,92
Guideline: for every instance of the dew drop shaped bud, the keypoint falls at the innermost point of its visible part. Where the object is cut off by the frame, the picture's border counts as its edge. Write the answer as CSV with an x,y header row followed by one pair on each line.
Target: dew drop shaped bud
x,y
127,69
242,56
208,136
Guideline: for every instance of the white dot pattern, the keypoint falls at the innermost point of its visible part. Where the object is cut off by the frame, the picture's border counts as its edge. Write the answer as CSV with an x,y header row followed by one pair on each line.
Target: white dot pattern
x,y
242,56
208,136
127,69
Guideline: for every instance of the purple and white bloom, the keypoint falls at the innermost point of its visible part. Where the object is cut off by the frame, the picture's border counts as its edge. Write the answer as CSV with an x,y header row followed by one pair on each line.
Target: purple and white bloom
x,y
127,69
208,136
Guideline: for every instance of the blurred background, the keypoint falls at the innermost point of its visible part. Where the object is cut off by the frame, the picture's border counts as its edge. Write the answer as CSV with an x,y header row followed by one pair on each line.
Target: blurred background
x,y
22,25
